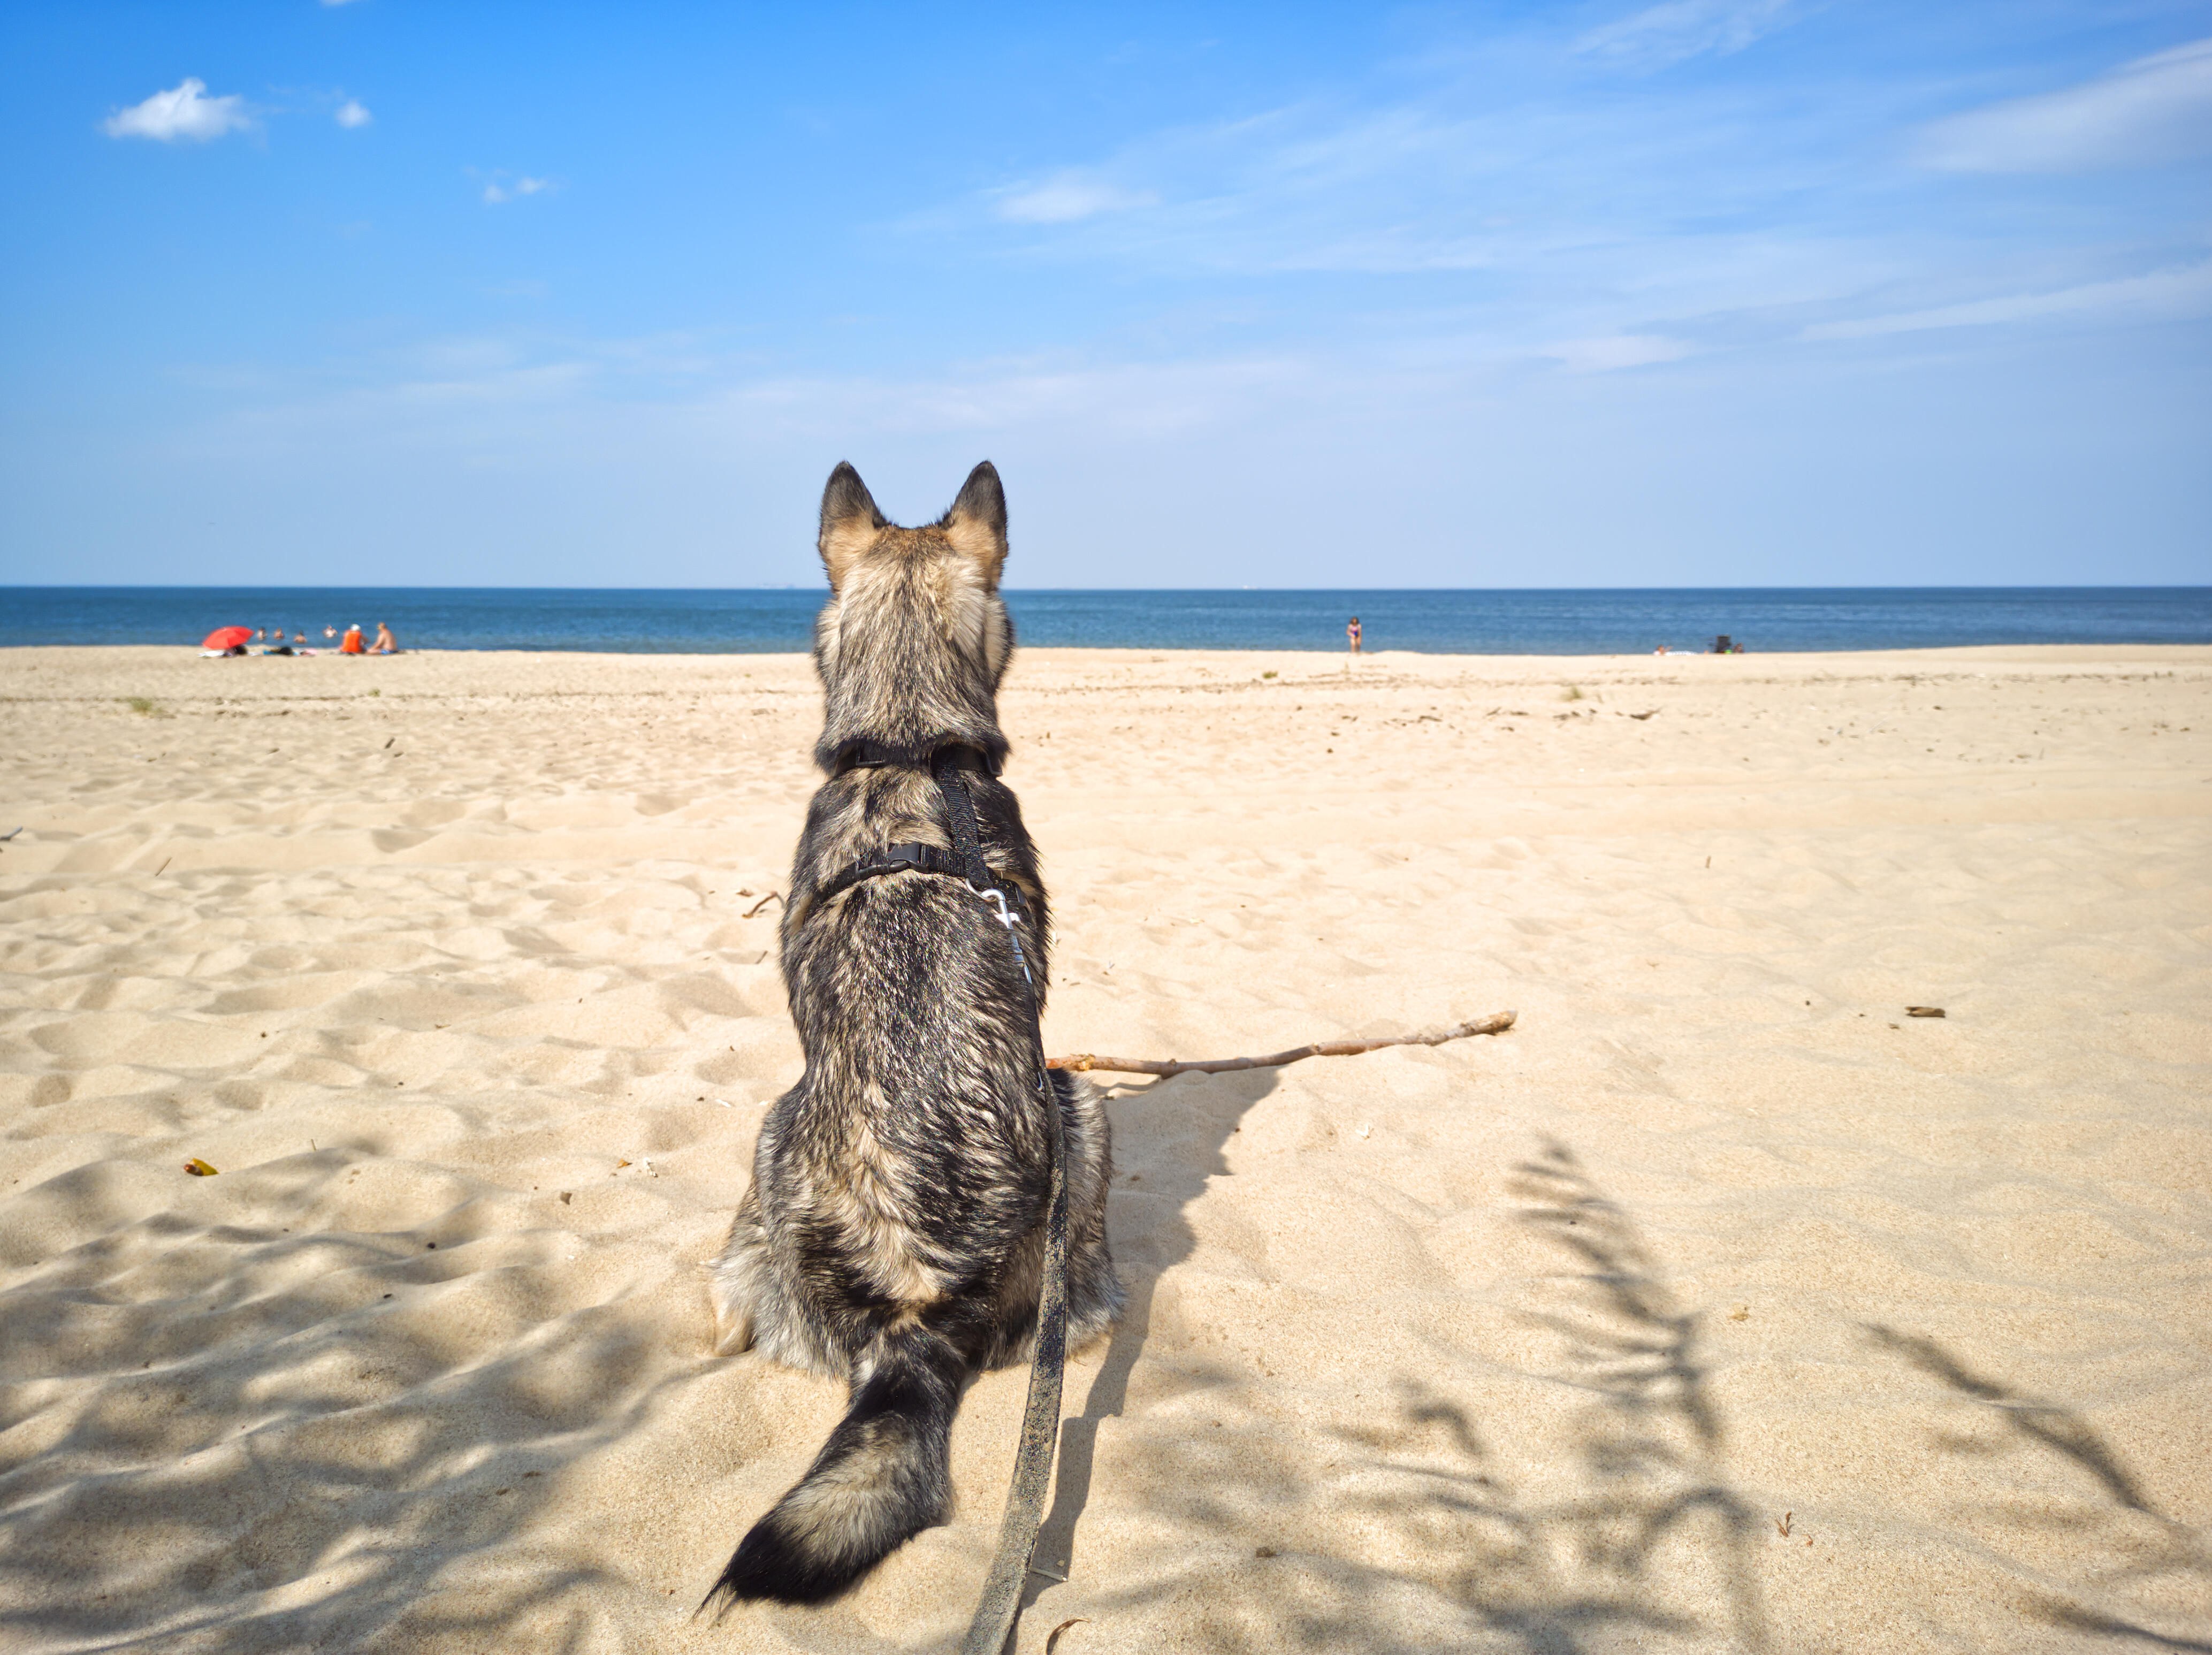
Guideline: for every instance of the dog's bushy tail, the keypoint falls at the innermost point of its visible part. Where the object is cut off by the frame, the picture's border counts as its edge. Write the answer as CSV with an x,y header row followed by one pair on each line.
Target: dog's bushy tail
x,y
880,1479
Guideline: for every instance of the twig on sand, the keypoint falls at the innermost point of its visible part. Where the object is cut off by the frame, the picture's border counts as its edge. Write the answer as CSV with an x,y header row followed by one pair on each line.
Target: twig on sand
x,y
773,896
1080,1063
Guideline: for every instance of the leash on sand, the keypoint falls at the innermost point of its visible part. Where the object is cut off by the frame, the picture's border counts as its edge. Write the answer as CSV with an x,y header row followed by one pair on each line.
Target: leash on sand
x,y
1017,1531
1025,1497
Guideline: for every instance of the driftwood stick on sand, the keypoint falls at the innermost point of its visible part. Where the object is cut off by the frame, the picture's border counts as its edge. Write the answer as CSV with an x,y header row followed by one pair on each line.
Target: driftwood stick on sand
x,y
1079,1062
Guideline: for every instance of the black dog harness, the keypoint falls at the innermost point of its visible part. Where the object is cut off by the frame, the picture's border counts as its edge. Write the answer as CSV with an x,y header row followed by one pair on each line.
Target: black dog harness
x,y
1017,1532
943,763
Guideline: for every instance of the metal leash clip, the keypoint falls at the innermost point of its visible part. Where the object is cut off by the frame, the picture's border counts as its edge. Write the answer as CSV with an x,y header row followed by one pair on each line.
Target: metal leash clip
x,y
997,898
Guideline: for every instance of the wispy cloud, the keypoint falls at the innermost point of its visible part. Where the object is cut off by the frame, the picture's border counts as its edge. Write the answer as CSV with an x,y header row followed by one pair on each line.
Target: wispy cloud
x,y
2155,109
2182,292
1599,236
1603,355
1293,188
1528,223
1068,197
186,112
1667,34
503,188
352,112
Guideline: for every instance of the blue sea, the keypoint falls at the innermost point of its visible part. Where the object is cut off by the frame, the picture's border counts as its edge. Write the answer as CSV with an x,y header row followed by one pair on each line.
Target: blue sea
x,y
1520,622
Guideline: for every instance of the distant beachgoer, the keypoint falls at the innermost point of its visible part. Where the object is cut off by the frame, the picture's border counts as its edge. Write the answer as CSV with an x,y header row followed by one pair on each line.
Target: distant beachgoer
x,y
350,645
330,635
386,644
1724,645
299,638
1660,650
1352,634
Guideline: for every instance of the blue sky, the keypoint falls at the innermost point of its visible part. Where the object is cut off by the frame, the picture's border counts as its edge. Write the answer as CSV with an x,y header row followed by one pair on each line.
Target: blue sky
x,y
1709,292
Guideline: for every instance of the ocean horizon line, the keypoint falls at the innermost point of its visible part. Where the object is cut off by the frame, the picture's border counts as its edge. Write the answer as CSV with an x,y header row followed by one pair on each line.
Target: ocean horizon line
x,y
1437,620
1929,587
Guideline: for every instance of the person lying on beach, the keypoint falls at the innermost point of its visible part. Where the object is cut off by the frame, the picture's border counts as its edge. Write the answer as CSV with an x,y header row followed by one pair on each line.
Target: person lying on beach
x,y
386,644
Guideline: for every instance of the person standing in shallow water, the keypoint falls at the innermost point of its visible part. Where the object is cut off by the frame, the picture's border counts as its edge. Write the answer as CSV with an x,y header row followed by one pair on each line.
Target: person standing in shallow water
x,y
1352,634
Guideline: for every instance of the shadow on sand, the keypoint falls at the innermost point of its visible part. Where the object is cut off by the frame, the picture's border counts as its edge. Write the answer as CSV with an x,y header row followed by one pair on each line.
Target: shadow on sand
x,y
1212,1107
2118,1546
235,1437
1634,1538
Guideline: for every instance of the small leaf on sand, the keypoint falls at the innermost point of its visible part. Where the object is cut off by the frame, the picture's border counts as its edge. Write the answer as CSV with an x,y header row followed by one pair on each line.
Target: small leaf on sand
x,y
198,1168
620,1165
1924,1011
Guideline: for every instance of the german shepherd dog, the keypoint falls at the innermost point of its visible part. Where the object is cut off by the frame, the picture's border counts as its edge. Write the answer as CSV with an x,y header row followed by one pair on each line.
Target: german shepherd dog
x,y
893,1236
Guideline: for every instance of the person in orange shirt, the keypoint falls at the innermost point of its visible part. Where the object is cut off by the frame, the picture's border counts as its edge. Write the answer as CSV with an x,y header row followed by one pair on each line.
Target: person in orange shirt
x,y
351,646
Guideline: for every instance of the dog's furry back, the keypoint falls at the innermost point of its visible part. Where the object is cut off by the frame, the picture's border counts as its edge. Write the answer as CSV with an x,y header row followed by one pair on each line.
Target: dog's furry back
x,y
893,1236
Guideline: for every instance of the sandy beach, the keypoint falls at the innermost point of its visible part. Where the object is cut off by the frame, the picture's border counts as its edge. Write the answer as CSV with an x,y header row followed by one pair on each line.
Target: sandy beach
x,y
1719,1306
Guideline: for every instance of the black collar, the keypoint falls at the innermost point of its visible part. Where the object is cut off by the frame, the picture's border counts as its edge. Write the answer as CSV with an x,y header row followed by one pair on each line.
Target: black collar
x,y
862,754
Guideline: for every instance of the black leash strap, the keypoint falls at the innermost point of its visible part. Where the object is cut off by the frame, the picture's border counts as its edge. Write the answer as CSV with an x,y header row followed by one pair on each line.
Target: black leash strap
x,y
1017,1532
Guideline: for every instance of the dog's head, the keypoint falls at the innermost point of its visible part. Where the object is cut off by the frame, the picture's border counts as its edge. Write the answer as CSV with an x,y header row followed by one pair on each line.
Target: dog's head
x,y
914,638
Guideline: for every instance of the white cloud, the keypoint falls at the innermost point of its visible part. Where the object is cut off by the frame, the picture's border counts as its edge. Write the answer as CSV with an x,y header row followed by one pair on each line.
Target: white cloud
x,y
1070,197
496,192
2154,109
352,112
184,113
1602,355
2186,291
1667,34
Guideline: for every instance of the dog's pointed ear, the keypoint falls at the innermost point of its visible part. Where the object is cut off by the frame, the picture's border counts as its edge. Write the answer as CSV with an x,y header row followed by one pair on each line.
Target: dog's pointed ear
x,y
849,523
976,524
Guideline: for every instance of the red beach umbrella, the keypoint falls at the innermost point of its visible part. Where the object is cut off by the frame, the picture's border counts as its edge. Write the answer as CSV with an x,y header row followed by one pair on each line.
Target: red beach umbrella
x,y
227,637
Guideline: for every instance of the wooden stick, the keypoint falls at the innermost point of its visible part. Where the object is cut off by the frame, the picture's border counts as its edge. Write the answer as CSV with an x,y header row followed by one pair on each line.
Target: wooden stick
x,y
1082,1063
